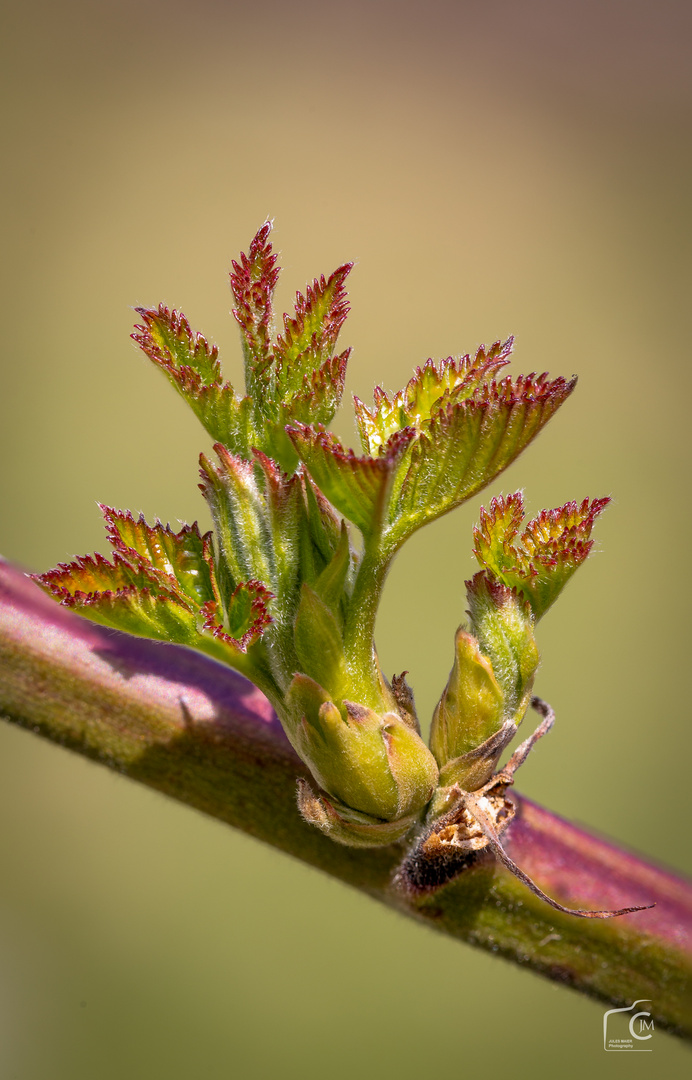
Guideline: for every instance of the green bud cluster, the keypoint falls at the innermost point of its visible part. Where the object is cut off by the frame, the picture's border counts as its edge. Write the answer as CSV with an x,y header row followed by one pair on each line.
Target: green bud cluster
x,y
368,763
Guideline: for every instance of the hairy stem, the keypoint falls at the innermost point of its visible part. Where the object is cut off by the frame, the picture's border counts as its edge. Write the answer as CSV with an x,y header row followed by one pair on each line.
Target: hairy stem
x,y
197,731
359,632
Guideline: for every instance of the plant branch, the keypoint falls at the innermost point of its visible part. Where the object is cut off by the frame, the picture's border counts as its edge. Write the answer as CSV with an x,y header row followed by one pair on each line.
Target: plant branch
x,y
197,731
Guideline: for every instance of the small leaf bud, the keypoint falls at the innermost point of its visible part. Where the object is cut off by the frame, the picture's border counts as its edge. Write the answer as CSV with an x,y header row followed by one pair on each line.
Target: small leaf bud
x,y
372,764
469,713
503,623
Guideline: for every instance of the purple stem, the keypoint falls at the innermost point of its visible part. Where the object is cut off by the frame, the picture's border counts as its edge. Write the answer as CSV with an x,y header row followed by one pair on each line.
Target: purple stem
x,y
186,725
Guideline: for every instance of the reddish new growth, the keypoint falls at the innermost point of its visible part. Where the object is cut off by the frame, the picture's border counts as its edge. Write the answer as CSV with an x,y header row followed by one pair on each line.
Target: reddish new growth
x,y
279,592
253,282
319,316
539,562
431,390
161,583
168,341
92,578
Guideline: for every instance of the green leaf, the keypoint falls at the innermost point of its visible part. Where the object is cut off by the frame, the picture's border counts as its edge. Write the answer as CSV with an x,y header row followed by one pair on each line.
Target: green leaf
x,y
310,337
318,393
321,532
247,616
308,379
261,522
169,342
324,526
185,555
498,526
143,613
360,488
273,528
540,562
139,599
77,583
193,368
467,445
253,282
318,643
295,379
227,418
129,598
429,391
331,585
285,516
426,469
238,510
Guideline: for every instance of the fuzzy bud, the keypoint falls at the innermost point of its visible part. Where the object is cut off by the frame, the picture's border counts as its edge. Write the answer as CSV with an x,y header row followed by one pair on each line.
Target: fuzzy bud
x,y
470,711
503,623
374,765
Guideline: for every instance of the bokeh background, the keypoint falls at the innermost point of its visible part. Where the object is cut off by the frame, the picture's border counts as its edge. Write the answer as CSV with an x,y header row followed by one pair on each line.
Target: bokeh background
x,y
493,168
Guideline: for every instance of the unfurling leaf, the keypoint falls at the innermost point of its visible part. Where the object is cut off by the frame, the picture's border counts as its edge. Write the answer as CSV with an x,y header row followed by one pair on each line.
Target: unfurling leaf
x,y
185,555
304,378
325,528
253,282
467,444
279,529
238,512
308,377
81,582
319,645
319,316
491,682
429,391
246,616
331,585
297,378
317,395
162,585
193,368
268,525
360,487
442,456
169,342
540,562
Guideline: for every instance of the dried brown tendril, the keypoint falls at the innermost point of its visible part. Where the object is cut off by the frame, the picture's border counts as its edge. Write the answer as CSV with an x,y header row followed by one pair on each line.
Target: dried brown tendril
x,y
475,824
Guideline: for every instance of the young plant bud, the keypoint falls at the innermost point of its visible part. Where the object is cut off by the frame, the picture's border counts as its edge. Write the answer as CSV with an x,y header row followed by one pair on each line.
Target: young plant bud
x,y
470,711
502,622
279,587
488,690
540,561
371,764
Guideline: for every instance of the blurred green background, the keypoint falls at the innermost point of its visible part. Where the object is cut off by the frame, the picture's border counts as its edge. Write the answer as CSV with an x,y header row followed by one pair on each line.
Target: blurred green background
x,y
493,168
